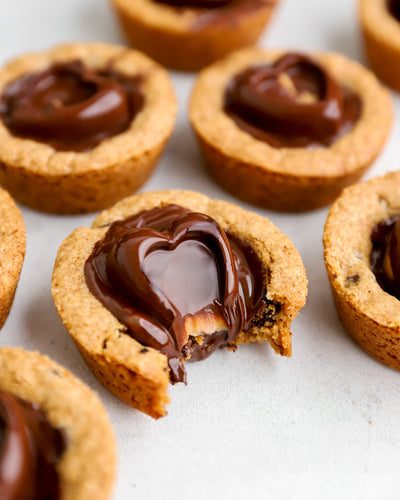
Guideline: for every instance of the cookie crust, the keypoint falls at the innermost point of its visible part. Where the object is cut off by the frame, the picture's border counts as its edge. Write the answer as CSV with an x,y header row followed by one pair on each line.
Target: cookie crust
x,y
168,34
369,314
76,182
12,251
140,376
287,179
381,33
87,467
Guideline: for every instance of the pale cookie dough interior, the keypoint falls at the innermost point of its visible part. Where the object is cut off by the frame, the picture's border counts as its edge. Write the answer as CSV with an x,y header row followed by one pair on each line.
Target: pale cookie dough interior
x,y
140,375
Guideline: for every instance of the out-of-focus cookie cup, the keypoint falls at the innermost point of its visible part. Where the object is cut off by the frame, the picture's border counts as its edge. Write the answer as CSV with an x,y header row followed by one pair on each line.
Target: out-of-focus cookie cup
x,y
187,36
12,251
99,83
380,23
137,372
60,416
289,178
370,314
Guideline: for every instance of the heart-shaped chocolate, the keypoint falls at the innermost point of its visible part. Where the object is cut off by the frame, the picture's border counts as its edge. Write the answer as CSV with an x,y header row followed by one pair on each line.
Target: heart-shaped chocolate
x,y
164,265
295,96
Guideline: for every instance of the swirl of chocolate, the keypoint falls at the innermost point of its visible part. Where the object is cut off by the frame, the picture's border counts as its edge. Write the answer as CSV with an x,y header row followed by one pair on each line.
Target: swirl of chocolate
x,y
29,449
293,102
385,255
157,269
393,7
70,106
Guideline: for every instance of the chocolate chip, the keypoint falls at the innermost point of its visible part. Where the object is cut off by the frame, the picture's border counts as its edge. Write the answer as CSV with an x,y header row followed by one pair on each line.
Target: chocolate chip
x,y
142,351
267,315
353,279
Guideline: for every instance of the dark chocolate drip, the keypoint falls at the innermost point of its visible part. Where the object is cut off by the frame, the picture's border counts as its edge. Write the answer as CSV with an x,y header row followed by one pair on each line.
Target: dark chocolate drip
x,y
293,102
385,255
69,106
393,7
29,449
158,268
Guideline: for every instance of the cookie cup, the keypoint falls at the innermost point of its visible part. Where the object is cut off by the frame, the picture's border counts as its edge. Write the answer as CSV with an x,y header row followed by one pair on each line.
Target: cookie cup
x,y
381,32
70,182
87,466
139,376
369,314
287,179
184,38
12,251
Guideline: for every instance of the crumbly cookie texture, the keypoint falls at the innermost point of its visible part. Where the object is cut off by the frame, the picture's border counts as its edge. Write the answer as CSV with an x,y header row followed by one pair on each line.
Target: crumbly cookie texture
x,y
12,251
169,34
75,182
369,314
87,466
287,179
381,33
140,377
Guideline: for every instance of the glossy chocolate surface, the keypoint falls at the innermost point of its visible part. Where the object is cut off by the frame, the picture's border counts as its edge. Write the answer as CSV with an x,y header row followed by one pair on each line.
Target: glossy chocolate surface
x,y
156,269
29,449
385,255
394,8
293,102
70,106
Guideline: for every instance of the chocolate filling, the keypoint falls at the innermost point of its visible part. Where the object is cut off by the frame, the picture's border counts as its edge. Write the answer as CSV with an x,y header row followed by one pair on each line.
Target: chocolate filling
x,y
29,449
71,107
177,281
293,103
393,7
385,255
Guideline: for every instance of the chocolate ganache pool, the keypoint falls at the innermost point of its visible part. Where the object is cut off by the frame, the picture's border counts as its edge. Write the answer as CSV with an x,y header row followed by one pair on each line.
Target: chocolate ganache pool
x,y
29,449
70,106
293,102
177,281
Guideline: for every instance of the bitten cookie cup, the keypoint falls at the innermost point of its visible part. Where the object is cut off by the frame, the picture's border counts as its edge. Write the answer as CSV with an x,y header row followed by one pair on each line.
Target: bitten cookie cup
x,y
189,38
138,375
12,251
47,179
86,467
381,31
283,178
369,314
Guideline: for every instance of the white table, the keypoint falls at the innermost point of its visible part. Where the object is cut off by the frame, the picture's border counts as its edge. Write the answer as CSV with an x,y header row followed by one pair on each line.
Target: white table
x,y
323,424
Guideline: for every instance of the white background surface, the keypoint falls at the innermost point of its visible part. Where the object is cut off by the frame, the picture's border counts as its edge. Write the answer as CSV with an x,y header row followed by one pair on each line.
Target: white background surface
x,y
324,424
